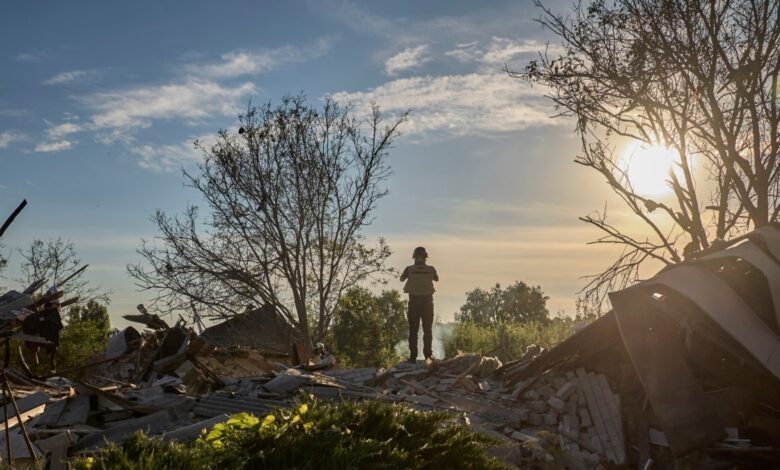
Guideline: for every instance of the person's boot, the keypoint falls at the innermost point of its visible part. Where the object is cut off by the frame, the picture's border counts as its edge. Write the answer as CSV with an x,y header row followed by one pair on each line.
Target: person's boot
x,y
411,361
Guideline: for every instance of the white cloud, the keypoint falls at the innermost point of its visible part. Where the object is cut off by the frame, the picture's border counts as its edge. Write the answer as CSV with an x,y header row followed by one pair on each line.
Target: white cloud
x,y
168,157
70,77
9,137
239,63
499,51
467,52
502,50
191,100
459,104
407,59
53,146
61,130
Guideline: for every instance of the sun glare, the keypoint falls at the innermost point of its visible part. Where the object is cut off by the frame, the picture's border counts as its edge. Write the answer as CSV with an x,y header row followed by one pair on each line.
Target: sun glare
x,y
647,167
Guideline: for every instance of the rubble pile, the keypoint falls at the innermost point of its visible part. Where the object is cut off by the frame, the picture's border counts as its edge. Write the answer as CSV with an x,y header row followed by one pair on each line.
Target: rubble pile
x,y
686,365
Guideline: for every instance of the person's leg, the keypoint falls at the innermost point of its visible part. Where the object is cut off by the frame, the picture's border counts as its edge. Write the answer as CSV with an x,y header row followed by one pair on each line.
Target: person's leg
x,y
413,315
427,324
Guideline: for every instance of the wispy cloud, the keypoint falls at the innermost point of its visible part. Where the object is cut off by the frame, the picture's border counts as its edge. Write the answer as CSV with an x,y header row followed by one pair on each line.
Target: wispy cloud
x,y
50,147
31,56
191,100
499,51
61,130
244,62
72,76
408,58
8,137
459,104
168,157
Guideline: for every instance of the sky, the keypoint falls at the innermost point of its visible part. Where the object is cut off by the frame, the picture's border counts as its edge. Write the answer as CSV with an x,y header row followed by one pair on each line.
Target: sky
x,y
100,103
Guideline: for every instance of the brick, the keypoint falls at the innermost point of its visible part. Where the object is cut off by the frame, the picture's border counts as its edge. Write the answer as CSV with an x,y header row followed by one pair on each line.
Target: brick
x,y
538,406
585,418
558,382
557,404
551,419
531,395
566,390
535,419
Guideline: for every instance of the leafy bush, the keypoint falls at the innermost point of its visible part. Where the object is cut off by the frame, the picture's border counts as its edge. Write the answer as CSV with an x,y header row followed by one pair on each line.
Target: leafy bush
x,y
314,434
82,339
367,326
507,341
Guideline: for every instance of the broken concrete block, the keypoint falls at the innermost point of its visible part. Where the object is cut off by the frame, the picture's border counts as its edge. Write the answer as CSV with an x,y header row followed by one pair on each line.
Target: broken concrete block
x,y
566,390
535,419
531,395
585,418
523,413
558,382
551,419
546,391
571,407
538,405
557,404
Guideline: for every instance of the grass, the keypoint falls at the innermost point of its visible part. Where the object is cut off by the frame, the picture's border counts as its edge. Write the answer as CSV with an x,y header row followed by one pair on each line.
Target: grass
x,y
507,341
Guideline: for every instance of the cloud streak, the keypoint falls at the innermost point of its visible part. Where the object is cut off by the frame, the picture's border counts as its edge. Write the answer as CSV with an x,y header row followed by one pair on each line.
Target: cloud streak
x,y
472,103
169,157
191,100
243,62
51,147
71,76
8,137
62,130
408,58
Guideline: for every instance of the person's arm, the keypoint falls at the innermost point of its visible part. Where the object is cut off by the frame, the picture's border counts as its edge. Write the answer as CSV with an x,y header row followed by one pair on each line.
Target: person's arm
x,y
435,274
405,274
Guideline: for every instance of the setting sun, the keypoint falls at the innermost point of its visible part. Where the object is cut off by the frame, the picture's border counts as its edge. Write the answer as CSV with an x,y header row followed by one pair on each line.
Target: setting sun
x,y
647,167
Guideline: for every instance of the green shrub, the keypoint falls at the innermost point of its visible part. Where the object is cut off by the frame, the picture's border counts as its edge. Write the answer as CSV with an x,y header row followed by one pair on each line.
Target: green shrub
x,y
367,326
507,341
314,434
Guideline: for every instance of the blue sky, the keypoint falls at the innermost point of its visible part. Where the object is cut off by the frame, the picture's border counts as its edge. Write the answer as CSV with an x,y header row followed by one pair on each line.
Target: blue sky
x,y
100,103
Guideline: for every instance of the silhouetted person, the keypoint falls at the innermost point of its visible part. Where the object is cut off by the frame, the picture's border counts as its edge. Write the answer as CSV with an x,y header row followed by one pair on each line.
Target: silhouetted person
x,y
419,279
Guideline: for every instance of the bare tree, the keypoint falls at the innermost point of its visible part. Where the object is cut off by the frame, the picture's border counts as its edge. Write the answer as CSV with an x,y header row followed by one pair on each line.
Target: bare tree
x,y
699,77
56,260
288,198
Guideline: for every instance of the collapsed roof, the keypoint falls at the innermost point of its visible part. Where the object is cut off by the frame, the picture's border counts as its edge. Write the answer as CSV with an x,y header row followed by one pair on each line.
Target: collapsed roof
x,y
691,339
262,329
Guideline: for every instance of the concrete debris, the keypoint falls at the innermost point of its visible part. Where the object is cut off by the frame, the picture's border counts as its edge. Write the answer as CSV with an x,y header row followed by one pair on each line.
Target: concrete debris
x,y
661,375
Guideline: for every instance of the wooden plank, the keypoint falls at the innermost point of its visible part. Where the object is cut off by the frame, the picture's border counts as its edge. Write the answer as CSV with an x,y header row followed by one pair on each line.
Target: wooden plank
x,y
29,406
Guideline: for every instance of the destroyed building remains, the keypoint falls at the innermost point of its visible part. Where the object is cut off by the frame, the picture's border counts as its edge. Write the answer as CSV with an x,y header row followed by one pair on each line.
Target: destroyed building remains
x,y
686,365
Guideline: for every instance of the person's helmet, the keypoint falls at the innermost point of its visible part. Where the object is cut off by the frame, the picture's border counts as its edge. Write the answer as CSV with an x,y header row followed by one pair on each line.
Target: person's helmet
x,y
419,251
